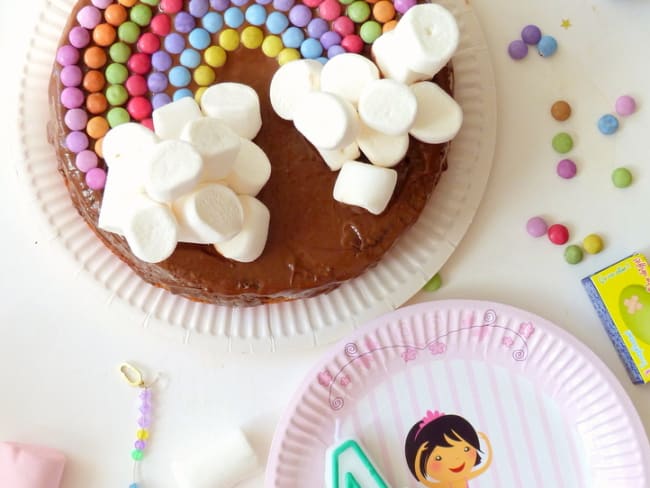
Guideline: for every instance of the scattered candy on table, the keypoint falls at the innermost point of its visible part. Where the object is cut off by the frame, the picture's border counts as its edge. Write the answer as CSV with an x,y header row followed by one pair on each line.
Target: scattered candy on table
x,y
536,226
433,284
622,177
625,105
573,254
593,244
518,49
547,46
561,110
562,143
531,34
608,124
558,234
566,169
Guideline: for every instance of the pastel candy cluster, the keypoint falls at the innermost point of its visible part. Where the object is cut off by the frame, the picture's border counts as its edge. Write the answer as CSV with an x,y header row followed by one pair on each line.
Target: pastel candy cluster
x,y
192,180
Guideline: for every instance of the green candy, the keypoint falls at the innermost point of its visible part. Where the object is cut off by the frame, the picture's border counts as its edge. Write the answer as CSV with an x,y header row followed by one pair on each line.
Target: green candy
x,y
141,15
634,305
153,3
346,2
116,95
116,73
562,143
128,32
573,254
117,116
370,31
358,11
433,284
119,52
622,178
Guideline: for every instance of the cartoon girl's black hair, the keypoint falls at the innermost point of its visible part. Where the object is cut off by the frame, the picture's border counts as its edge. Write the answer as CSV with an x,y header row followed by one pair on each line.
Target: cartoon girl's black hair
x,y
452,426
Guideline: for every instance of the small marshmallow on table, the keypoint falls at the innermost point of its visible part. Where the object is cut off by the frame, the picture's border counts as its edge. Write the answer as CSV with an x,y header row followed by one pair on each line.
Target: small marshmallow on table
x,y
28,466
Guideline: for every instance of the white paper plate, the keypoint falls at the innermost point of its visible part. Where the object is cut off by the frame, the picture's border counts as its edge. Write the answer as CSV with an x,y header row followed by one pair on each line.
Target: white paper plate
x,y
555,415
417,255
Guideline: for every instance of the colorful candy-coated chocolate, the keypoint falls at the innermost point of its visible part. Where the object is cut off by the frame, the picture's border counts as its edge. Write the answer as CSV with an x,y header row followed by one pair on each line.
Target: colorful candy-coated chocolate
x,y
76,141
93,81
573,254
271,46
531,34
547,46
383,11
127,3
115,14
161,61
117,116
96,103
71,75
204,76
358,11
72,97
622,177
215,56
312,3
86,160
558,234
433,284
562,142
96,178
276,22
300,15
343,26
566,169
139,63
174,43
67,55
536,226
116,73
198,94
95,57
157,82
198,8
190,58
184,22
101,3
182,93
136,85
171,6
161,24
388,26
293,37
283,5
593,244
97,127
352,43
370,31
104,35
311,48
402,6
116,95
148,43
229,39
233,17
255,14
625,105
212,22
288,54
179,76
329,39
160,100
608,124
128,32
517,49
78,37
561,110
220,5
329,9
199,38
119,52
89,17
75,119
317,27
335,51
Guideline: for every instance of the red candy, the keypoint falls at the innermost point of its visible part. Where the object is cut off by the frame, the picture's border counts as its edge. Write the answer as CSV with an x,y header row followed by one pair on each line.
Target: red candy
x,y
148,43
136,85
558,234
139,63
148,123
343,26
352,43
329,9
171,6
161,25
312,3
139,108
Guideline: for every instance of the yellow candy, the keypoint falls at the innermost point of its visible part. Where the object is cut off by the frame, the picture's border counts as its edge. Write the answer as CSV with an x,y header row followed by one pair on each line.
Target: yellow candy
x,y
215,56
229,39
593,244
271,46
204,75
199,93
142,434
252,37
288,54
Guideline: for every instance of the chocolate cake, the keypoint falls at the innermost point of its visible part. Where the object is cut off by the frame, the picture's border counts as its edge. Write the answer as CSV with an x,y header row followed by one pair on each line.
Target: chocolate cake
x,y
314,242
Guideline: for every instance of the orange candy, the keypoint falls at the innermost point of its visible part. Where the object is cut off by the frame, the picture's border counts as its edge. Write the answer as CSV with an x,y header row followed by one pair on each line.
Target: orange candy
x,y
127,3
389,26
94,81
115,14
97,127
99,147
95,57
96,103
383,11
104,34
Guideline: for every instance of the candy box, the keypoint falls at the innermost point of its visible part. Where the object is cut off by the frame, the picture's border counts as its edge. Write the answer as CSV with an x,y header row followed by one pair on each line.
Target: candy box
x,y
621,295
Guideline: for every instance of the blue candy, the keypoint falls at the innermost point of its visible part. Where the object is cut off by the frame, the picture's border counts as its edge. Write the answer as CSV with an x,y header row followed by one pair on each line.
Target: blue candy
x,y
199,38
322,60
190,58
233,17
311,49
547,46
183,93
256,14
276,22
179,76
212,22
293,37
608,124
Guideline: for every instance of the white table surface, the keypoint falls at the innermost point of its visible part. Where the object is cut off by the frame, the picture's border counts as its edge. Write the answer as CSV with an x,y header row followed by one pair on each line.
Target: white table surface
x,y
61,339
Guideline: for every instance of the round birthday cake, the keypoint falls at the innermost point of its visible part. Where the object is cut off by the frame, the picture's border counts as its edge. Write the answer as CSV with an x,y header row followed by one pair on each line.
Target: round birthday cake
x,y
241,153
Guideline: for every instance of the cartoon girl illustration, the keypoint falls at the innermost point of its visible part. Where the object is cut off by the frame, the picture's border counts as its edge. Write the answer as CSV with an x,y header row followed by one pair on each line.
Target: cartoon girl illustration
x,y
443,451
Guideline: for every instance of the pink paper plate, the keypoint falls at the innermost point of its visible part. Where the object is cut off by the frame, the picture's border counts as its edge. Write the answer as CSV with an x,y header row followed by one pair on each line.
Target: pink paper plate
x,y
555,415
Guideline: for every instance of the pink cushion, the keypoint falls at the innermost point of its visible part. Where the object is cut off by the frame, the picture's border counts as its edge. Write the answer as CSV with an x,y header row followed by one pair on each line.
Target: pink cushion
x,y
27,466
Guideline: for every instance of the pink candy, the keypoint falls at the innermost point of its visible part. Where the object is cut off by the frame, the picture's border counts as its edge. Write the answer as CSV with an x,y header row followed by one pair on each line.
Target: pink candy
x,y
136,85
102,3
149,43
67,55
72,97
86,160
139,63
79,37
161,25
171,6
71,75
96,179
76,141
625,105
76,119
329,9
312,3
148,123
352,43
89,17
343,26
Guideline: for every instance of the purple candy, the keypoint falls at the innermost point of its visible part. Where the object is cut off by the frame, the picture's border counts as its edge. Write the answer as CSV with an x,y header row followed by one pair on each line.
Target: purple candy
x,y
67,55
518,49
89,17
175,43
76,141
330,39
102,3
239,3
317,27
263,2
566,169
161,61
157,82
335,51
403,5
531,34
220,5
536,226
198,8
71,75
184,22
160,100
139,445
96,178
79,37
76,119
86,160
300,15
283,5
72,97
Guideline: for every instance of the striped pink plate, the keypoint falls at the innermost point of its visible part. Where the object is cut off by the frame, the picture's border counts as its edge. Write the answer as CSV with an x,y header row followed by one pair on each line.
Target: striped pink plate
x,y
552,411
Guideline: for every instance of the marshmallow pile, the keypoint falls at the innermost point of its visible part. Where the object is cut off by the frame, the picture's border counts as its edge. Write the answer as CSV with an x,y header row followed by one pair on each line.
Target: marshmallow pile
x,y
345,108
192,180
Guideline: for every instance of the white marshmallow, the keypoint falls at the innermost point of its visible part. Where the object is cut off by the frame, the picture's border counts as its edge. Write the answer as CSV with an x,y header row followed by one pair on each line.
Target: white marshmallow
x,y
365,185
217,144
200,469
249,244
388,107
382,149
169,120
151,230
237,105
120,189
251,171
439,116
336,157
210,214
347,74
127,146
291,82
430,35
387,51
173,169
326,120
